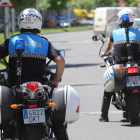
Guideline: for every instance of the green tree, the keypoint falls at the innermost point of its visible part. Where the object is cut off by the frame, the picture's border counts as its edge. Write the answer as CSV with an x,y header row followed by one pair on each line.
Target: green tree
x,y
104,3
22,4
53,5
82,3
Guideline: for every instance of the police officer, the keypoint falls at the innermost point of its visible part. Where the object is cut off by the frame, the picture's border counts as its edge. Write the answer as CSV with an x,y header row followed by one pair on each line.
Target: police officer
x,y
37,49
118,42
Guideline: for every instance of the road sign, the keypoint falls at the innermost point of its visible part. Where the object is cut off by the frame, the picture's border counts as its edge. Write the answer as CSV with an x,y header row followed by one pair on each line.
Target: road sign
x,y
121,3
6,3
138,4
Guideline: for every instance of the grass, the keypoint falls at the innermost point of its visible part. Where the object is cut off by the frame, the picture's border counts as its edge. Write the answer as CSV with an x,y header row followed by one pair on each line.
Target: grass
x,y
46,31
58,30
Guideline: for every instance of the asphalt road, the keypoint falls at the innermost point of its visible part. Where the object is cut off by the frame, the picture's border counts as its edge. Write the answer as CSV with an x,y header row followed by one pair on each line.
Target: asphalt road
x,y
84,74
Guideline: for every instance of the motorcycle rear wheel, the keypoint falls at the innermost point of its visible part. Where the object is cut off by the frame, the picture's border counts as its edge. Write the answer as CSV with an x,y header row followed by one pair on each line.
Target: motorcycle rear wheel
x,y
32,132
133,108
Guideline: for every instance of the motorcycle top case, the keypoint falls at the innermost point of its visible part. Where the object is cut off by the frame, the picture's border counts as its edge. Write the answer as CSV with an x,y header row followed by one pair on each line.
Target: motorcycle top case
x,y
6,100
67,107
114,81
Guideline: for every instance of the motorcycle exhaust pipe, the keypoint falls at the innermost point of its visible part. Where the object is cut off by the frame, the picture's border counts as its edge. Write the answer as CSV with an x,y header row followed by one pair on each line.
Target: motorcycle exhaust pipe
x,y
25,95
40,95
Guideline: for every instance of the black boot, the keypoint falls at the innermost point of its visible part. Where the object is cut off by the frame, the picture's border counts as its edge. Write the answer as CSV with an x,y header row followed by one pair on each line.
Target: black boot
x,y
105,108
61,134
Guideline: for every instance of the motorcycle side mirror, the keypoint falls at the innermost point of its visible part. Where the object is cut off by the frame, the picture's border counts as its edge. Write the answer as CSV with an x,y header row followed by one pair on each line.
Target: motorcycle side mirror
x,y
94,38
62,52
102,65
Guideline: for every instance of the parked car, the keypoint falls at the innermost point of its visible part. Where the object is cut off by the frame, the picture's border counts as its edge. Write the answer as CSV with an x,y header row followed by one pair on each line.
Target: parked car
x,y
63,21
46,22
92,21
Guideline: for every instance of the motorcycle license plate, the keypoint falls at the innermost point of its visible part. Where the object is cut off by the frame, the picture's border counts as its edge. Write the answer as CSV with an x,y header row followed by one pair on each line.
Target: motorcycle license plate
x,y
133,81
35,115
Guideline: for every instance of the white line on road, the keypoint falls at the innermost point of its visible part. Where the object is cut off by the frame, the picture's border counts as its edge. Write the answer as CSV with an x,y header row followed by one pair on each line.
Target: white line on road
x,y
99,113
56,43
84,41
87,41
72,42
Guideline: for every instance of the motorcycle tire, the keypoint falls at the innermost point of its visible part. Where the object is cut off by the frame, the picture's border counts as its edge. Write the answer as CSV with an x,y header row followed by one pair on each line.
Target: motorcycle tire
x,y
32,132
133,108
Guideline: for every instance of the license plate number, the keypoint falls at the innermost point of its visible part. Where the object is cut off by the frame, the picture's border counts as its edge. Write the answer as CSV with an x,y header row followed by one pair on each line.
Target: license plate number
x,y
35,115
133,81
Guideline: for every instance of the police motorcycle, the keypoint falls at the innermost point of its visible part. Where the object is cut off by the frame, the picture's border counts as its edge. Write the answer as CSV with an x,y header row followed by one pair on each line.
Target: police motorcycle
x,y
122,79
30,108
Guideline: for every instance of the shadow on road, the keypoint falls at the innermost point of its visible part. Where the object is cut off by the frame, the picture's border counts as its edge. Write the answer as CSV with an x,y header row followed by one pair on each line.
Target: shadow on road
x,y
74,65
130,125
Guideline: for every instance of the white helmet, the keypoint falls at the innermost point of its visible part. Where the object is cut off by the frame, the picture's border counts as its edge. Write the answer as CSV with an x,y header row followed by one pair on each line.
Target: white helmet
x,y
126,11
30,19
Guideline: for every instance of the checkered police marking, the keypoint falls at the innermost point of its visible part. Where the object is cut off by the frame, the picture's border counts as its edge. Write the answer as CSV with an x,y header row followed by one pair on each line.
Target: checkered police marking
x,y
18,71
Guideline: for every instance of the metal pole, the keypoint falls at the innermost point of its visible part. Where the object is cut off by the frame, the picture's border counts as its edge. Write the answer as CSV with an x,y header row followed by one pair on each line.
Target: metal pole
x,y
6,22
77,4
93,5
69,15
13,19
37,5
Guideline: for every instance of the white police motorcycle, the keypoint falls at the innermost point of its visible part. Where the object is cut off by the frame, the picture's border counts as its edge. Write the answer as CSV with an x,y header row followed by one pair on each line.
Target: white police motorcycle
x,y
29,108
122,79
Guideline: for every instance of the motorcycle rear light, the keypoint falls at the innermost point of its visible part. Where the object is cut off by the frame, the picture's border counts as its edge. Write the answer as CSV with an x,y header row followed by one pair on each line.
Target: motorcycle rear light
x,y
32,86
132,70
32,106
135,91
77,111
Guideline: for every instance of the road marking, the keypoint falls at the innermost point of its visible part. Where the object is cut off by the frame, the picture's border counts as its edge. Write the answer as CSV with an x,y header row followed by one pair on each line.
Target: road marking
x,y
99,113
71,42
87,41
56,43
84,41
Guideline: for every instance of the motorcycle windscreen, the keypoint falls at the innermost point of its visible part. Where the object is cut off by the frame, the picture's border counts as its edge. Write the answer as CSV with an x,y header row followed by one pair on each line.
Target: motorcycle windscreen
x,y
113,26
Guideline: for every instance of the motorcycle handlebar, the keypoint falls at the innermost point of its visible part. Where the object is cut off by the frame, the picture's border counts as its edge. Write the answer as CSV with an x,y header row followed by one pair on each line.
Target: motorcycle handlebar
x,y
3,70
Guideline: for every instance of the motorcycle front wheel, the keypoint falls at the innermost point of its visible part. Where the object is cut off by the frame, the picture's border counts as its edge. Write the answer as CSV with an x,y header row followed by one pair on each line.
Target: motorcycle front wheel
x,y
32,132
133,108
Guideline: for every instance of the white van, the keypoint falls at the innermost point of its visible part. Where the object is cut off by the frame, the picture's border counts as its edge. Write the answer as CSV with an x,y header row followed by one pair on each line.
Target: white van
x,y
106,15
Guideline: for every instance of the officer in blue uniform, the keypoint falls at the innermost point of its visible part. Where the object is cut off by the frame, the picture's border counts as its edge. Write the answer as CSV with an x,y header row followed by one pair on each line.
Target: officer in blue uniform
x,y
118,42
37,49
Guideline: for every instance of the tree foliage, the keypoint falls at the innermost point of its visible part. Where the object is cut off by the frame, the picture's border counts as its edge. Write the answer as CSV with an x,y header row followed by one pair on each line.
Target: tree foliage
x,y
102,3
56,5
19,5
82,4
